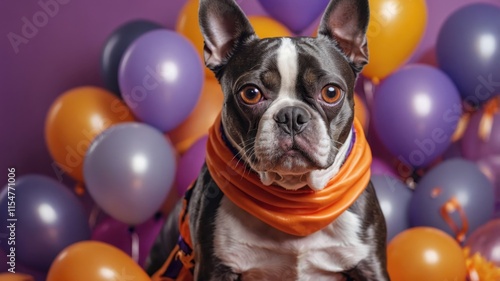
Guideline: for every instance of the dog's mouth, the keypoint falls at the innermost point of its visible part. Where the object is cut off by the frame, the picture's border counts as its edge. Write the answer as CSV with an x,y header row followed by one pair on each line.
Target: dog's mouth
x,y
292,163
292,156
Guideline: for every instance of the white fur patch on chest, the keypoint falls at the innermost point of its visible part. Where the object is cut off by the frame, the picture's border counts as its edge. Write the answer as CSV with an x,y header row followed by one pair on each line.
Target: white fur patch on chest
x,y
258,251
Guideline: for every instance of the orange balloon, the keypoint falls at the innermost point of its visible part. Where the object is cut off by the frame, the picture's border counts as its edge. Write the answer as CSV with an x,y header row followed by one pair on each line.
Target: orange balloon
x,y
96,261
15,277
266,27
361,112
394,31
187,25
201,119
75,118
425,253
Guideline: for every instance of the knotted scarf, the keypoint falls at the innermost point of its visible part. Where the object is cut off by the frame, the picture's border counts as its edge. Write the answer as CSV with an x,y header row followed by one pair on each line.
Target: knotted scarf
x,y
297,212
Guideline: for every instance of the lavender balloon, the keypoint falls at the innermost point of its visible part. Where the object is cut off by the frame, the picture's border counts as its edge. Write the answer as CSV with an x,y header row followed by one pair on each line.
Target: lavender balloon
x,y
486,241
460,184
297,15
467,50
119,235
48,219
161,78
415,112
129,169
474,146
190,165
394,199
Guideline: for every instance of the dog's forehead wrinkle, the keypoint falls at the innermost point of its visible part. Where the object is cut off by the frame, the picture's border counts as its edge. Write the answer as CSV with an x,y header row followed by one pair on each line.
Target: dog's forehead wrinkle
x,y
331,58
250,57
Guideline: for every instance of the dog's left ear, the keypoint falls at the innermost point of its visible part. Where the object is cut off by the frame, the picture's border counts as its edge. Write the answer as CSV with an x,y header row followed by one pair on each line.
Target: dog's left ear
x,y
346,21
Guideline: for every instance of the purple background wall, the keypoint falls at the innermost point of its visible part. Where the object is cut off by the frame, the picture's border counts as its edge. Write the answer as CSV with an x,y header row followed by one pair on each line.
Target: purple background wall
x,y
65,53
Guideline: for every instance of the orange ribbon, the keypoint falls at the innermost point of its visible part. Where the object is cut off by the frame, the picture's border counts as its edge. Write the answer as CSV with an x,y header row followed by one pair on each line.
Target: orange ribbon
x,y
297,212
461,127
479,268
448,208
491,108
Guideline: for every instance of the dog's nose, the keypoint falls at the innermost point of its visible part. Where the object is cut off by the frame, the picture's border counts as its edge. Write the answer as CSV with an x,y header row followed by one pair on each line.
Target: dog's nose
x,y
292,119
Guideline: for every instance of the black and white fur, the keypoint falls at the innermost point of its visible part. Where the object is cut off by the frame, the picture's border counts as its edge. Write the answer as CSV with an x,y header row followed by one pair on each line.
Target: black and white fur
x,y
290,138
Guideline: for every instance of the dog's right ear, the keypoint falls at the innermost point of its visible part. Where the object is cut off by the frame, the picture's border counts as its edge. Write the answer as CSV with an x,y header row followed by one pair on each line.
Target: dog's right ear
x,y
346,22
224,27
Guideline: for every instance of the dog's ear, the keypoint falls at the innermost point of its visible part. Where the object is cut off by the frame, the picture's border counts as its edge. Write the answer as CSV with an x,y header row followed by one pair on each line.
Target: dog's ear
x,y
346,21
224,27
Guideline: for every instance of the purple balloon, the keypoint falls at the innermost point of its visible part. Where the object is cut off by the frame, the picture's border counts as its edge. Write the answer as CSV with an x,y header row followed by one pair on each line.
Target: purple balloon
x,y
161,78
190,165
379,167
437,13
297,15
116,45
486,241
415,112
473,146
119,235
49,218
394,198
467,50
456,179
129,169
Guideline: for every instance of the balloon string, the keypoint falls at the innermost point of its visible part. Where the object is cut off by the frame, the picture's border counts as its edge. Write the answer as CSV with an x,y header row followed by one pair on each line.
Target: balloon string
x,y
94,213
486,122
80,189
447,209
135,244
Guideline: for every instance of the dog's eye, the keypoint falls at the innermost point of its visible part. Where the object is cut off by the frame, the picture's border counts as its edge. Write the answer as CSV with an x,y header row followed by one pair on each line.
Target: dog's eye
x,y
250,95
331,93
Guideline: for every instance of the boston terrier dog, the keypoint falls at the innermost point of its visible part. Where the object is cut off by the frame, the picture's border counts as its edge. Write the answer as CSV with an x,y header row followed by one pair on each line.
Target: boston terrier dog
x,y
285,192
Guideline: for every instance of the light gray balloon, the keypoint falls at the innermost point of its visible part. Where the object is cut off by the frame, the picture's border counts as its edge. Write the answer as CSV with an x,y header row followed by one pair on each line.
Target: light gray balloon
x,y
129,170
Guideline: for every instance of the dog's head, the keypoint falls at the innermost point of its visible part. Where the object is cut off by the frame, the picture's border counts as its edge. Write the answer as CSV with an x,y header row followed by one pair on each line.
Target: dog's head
x,y
288,102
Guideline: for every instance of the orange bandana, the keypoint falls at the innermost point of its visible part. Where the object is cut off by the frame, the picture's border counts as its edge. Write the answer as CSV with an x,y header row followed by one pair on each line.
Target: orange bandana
x,y
297,212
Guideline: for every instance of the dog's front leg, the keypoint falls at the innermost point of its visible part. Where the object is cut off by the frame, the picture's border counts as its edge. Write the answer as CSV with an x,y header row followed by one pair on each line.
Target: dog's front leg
x,y
206,199
368,271
211,269
374,267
